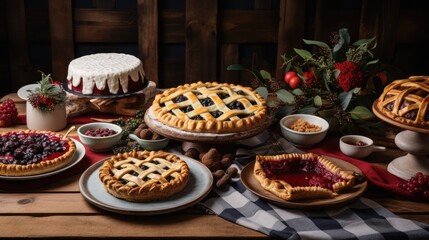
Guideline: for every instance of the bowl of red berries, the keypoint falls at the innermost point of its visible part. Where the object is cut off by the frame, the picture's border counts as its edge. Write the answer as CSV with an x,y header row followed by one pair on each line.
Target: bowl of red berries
x,y
99,136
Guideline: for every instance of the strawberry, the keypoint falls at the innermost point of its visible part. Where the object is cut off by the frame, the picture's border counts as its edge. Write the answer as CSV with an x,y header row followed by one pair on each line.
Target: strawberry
x,y
8,112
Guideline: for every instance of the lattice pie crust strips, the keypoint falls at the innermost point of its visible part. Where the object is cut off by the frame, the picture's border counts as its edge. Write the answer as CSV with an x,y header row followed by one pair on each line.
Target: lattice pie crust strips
x,y
143,176
406,101
210,108
301,176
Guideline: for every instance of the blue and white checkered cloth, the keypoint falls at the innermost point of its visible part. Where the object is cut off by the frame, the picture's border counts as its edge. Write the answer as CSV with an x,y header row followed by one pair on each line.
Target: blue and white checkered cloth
x,y
362,219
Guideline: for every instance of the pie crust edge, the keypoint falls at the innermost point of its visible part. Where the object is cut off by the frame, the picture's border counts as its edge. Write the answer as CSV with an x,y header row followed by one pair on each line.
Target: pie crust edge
x,y
395,114
42,166
149,192
202,126
285,191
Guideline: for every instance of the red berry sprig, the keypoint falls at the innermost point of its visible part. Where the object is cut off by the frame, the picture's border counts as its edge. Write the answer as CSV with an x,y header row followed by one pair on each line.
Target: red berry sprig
x,y
418,185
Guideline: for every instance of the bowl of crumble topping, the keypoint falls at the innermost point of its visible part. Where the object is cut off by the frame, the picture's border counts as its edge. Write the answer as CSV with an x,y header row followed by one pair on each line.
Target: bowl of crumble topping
x,y
304,130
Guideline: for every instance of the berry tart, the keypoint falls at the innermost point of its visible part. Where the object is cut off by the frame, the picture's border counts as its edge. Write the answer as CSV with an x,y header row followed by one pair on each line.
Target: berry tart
x,y
301,176
24,153
406,101
143,176
210,108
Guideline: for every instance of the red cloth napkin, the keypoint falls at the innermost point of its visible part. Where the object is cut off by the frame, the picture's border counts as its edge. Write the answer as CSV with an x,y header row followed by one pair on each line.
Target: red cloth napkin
x,y
28,185
375,175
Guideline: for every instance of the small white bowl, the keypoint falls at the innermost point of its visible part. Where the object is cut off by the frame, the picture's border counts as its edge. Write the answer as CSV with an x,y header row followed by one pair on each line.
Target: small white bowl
x,y
349,146
99,144
304,139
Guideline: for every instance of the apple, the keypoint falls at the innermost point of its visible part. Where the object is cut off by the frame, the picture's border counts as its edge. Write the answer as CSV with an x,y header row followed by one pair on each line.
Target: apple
x,y
289,75
294,82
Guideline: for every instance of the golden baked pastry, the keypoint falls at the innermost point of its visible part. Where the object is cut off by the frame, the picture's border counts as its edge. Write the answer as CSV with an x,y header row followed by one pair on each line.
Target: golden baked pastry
x,y
406,101
30,152
210,107
301,176
143,176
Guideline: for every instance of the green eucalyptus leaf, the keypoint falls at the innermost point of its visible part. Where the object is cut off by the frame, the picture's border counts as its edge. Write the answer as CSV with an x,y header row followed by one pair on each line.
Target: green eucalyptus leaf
x,y
265,74
326,80
372,62
263,91
297,92
285,96
317,101
317,43
336,73
344,34
361,112
356,90
238,67
307,110
306,55
284,111
272,104
345,98
343,43
334,126
362,41
299,72
327,113
288,65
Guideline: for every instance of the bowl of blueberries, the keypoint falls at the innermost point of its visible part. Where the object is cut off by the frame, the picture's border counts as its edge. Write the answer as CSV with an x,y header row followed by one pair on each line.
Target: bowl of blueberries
x,y
100,136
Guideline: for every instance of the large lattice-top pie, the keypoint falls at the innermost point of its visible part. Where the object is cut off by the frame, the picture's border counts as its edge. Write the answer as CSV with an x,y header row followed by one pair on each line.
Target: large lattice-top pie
x,y
301,176
29,152
210,107
143,176
406,101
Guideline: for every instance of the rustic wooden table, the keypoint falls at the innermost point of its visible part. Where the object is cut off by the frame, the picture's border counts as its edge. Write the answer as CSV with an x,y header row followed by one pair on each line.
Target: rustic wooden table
x,y
59,210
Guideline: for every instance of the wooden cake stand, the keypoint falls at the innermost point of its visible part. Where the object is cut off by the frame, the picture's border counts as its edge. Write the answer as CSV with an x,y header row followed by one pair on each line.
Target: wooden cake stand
x,y
413,140
202,141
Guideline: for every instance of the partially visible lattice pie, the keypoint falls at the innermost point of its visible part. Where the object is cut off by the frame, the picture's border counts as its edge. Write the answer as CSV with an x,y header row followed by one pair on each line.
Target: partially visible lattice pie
x,y
301,176
143,176
31,152
210,107
406,101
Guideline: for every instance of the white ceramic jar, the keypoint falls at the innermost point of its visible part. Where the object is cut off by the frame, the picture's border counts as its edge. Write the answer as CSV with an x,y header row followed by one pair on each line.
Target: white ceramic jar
x,y
46,120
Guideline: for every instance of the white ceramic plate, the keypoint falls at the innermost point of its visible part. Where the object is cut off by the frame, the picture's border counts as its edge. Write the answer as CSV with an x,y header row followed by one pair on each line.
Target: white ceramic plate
x,y
78,156
199,185
22,92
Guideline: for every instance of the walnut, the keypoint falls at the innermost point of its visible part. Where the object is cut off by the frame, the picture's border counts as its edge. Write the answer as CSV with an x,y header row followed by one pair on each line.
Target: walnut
x,y
231,171
212,159
146,134
227,160
156,136
218,175
137,131
221,183
192,153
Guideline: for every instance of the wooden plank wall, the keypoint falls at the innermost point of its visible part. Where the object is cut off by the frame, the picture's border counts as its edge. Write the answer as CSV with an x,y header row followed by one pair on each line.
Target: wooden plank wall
x,y
198,39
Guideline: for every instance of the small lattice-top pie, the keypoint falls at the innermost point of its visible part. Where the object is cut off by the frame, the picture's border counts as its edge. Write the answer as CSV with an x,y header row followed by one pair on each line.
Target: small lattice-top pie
x,y
210,107
143,176
406,101
301,176
24,153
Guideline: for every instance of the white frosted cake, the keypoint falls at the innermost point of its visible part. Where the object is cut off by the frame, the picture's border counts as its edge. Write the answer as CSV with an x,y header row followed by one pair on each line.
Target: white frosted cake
x,y
105,74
